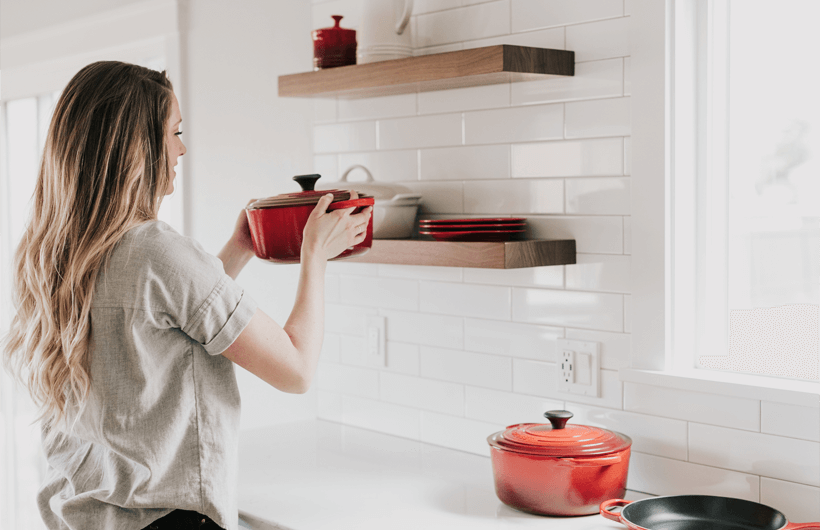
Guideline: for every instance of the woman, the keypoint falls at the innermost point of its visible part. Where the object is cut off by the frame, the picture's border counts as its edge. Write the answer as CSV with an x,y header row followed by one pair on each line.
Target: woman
x,y
126,333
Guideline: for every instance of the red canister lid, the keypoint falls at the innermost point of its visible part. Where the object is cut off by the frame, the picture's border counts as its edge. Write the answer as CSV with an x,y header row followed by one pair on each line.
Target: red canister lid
x,y
558,439
308,196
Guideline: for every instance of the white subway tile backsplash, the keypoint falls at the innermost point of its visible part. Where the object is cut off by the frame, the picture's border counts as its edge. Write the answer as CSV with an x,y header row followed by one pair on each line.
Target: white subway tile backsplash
x,y
533,14
380,292
466,163
331,348
600,311
546,38
512,339
332,288
350,380
665,476
614,347
326,165
628,156
576,158
650,434
322,11
734,412
599,40
439,197
424,329
518,197
750,452
346,319
324,110
457,433
373,108
627,313
627,76
458,25
356,136
420,393
430,6
551,276
420,131
793,421
592,234
506,408
595,79
628,235
599,272
541,379
598,117
383,417
599,196
482,301
469,98
798,502
516,124
402,358
469,368
385,166
414,272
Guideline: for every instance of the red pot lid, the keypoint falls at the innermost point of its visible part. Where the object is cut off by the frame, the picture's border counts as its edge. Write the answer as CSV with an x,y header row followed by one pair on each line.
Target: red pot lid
x,y
558,439
307,197
335,35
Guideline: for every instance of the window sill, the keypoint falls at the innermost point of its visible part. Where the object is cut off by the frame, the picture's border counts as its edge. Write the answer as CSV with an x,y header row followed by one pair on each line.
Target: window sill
x,y
791,391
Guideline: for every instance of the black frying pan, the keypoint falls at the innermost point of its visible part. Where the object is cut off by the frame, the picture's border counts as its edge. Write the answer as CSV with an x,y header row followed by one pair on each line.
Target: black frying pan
x,y
698,512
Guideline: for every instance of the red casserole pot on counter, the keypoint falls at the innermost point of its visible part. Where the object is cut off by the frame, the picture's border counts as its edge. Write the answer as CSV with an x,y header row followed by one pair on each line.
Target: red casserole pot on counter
x,y
558,469
277,223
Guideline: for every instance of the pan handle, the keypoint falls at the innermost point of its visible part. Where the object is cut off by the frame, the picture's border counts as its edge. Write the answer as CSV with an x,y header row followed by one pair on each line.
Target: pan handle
x,y
796,526
595,461
613,503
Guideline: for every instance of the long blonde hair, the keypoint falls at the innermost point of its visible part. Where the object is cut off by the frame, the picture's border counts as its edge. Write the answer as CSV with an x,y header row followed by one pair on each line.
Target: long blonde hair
x,y
104,170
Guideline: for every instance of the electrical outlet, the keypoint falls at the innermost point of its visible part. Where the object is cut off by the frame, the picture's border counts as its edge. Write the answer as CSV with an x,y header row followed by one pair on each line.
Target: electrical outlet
x,y
579,367
376,341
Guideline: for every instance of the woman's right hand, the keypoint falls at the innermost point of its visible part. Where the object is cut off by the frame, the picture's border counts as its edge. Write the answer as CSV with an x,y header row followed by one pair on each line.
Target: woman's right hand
x,y
328,234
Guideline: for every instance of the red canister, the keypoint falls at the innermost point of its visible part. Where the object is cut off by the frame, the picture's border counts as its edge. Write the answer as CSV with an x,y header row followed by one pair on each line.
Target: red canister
x,y
277,223
334,46
559,469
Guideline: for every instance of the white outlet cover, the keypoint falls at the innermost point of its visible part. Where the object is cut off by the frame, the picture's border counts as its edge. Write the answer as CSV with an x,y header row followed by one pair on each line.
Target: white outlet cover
x,y
579,348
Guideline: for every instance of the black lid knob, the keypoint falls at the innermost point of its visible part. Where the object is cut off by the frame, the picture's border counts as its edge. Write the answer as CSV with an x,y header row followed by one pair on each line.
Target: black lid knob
x,y
308,182
558,418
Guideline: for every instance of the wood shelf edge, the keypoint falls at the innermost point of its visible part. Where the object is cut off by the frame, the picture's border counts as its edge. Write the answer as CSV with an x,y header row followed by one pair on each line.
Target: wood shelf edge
x,y
490,255
474,66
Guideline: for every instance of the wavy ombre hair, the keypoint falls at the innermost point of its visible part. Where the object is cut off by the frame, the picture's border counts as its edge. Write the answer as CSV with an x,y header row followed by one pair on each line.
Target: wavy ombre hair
x,y
104,170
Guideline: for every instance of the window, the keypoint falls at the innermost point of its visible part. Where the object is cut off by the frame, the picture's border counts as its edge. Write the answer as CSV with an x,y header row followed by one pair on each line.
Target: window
x,y
705,254
746,182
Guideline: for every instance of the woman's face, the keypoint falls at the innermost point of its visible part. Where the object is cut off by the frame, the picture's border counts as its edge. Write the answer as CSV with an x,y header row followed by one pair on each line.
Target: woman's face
x,y
173,141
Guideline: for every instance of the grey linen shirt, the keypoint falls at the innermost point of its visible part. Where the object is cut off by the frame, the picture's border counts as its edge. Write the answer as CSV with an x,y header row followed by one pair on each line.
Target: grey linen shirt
x,y
159,431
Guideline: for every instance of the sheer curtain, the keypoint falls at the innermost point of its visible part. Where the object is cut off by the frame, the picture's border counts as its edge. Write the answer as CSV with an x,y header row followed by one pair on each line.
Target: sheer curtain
x,y
33,76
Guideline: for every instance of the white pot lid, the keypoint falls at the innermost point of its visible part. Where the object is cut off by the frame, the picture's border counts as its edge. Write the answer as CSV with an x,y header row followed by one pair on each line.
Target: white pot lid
x,y
381,191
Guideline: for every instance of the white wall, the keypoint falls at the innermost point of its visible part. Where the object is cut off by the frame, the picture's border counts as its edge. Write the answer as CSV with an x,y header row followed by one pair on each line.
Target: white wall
x,y
471,351
243,143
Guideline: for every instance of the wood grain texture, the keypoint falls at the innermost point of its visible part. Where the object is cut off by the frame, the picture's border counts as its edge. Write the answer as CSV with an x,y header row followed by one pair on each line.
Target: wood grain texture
x,y
491,255
477,66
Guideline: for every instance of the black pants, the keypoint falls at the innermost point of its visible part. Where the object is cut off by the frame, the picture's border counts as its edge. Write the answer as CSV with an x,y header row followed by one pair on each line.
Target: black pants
x,y
183,520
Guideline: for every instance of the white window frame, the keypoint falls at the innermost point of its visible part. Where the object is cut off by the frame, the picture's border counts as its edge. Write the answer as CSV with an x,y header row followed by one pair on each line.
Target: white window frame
x,y
657,94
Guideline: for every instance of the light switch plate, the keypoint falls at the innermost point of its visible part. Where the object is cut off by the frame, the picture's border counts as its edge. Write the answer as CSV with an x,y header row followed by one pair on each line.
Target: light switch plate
x,y
579,367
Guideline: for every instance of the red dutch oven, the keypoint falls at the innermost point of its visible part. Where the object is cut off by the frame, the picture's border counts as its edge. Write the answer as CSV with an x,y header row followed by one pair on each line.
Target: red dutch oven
x,y
694,512
277,223
558,469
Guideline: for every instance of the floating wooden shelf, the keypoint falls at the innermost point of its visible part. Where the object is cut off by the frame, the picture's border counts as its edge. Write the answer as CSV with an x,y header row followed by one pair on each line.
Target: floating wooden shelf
x,y
478,66
491,255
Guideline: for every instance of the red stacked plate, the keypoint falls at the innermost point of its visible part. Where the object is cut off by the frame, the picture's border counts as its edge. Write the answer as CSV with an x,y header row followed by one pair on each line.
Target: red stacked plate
x,y
478,229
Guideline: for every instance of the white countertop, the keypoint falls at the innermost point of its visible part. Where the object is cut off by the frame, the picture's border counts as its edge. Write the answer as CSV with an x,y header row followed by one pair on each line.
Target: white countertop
x,y
319,475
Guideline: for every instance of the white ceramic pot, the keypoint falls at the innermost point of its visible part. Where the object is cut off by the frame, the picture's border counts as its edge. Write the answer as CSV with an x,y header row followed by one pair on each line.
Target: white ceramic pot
x,y
395,208
384,31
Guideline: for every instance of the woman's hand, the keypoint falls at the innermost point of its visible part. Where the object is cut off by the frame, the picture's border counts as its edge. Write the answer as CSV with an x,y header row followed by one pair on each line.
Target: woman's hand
x,y
328,234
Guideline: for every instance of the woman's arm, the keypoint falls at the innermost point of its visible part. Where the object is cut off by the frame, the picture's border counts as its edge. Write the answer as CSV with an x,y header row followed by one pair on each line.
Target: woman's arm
x,y
238,251
286,358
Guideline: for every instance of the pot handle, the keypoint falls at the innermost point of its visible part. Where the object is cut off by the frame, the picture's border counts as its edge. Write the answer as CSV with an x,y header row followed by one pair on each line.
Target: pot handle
x,y
795,526
357,166
351,203
405,17
613,503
